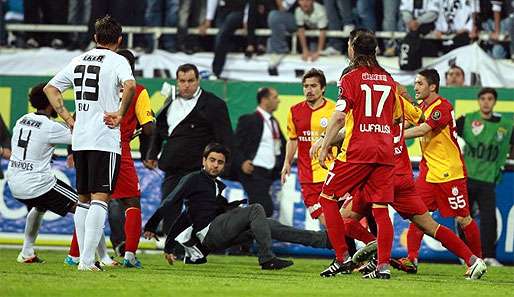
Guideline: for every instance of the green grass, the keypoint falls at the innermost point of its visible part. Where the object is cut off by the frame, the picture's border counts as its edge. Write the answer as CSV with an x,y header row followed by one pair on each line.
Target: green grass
x,y
236,276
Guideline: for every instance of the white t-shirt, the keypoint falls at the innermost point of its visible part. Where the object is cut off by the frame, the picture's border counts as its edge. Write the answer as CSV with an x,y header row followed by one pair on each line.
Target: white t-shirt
x,y
426,5
96,77
317,19
33,143
456,15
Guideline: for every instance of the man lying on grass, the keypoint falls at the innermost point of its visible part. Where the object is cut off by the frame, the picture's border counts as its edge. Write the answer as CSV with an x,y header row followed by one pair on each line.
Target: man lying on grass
x,y
208,222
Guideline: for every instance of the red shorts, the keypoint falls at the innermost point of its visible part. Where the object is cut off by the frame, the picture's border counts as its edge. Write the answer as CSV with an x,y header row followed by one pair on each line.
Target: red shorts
x,y
310,193
127,184
359,206
451,198
406,200
374,181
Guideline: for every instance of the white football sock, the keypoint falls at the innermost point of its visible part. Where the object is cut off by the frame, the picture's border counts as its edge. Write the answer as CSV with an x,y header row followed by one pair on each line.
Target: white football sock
x,y
102,251
80,226
34,218
95,223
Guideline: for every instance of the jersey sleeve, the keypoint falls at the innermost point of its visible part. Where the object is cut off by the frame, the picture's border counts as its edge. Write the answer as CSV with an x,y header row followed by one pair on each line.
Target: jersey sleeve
x,y
64,79
291,128
439,117
143,108
412,114
123,71
345,100
59,134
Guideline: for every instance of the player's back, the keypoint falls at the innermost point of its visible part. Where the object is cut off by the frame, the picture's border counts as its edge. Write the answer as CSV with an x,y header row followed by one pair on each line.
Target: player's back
x,y
96,77
367,96
34,136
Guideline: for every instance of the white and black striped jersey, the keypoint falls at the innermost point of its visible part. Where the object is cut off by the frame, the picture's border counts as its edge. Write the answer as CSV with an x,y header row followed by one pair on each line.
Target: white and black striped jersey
x,y
33,143
96,77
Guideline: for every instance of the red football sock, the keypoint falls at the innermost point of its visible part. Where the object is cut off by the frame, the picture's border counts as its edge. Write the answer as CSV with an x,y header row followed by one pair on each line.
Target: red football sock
x,y
356,231
472,234
335,227
74,246
132,229
414,237
453,243
385,235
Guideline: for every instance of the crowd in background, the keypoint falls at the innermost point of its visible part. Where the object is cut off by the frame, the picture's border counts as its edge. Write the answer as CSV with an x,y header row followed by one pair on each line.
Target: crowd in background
x,y
459,20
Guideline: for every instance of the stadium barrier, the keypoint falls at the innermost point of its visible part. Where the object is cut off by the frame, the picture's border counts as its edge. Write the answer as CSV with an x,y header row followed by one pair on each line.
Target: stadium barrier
x,y
289,209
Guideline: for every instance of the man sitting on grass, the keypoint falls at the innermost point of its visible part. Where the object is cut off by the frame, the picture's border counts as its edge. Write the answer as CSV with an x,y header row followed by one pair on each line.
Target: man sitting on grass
x,y
208,222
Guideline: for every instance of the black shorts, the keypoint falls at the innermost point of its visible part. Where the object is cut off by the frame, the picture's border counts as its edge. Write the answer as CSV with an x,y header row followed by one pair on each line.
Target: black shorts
x,y
60,199
97,171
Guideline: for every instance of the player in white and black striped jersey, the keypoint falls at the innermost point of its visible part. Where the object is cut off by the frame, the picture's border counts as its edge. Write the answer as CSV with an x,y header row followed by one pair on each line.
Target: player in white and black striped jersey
x,y
96,77
29,173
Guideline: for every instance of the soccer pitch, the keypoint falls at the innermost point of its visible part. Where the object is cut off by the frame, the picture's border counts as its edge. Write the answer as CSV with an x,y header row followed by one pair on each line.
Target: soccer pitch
x,y
235,276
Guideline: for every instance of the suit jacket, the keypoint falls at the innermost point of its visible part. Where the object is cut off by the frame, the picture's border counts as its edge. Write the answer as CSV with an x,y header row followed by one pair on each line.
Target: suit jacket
x,y
248,137
182,150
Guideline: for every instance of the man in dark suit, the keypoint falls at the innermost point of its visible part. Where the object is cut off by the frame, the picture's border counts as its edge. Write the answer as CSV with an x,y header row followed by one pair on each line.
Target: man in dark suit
x,y
261,148
184,126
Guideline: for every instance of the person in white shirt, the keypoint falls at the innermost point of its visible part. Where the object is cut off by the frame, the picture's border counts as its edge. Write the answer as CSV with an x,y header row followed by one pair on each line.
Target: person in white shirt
x,y
261,147
29,174
96,77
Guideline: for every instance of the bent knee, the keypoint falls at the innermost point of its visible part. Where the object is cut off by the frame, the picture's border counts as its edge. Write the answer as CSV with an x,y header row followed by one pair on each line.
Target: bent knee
x,y
463,221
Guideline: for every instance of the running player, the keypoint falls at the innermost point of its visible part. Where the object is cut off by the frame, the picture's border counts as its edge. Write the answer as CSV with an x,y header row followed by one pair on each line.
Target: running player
x,y
442,180
96,77
29,174
306,124
366,107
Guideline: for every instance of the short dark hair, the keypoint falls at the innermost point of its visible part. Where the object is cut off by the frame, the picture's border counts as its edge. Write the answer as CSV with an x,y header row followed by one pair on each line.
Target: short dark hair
x,y
186,68
37,97
129,56
318,73
455,66
432,77
107,30
487,90
263,93
215,147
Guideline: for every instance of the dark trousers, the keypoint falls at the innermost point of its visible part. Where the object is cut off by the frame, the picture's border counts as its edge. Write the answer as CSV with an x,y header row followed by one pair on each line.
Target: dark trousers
x,y
257,186
241,225
484,194
116,222
228,23
45,12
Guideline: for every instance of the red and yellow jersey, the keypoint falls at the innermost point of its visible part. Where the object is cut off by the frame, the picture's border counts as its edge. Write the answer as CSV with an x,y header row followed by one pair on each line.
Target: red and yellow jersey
x,y
139,112
412,115
442,160
307,125
368,97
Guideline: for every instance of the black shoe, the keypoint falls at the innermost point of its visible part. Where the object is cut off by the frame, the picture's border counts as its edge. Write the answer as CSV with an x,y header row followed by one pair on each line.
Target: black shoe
x,y
384,274
273,71
276,264
336,268
370,267
119,250
187,260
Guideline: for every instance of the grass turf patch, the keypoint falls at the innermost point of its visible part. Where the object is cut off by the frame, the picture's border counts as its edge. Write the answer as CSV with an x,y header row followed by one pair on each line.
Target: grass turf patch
x,y
235,276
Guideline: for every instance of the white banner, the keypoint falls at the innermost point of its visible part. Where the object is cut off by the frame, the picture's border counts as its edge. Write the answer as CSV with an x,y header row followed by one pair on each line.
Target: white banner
x,y
478,66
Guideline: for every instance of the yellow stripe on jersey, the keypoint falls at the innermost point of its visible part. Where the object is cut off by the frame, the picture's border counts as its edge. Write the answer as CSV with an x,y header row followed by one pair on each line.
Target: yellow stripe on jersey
x,y
348,124
441,153
143,108
412,114
291,129
319,122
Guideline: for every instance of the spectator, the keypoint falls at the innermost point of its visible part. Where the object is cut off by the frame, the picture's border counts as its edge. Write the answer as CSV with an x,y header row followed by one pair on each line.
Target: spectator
x,y
162,13
488,136
79,13
184,126
339,16
455,76
12,14
419,16
281,23
494,18
262,147
5,143
366,13
216,224
45,12
390,24
455,17
229,18
191,13
259,18
311,15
